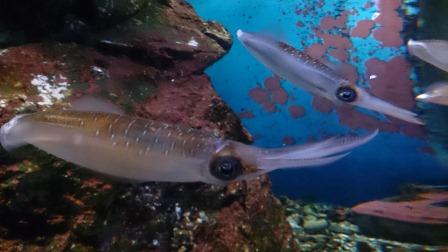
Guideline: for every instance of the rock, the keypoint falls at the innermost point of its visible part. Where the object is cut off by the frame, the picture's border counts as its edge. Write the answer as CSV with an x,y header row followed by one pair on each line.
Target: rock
x,y
308,210
342,236
320,239
310,218
291,207
304,238
338,214
343,228
321,215
294,221
167,43
315,225
363,247
336,228
113,11
47,204
37,20
236,229
418,218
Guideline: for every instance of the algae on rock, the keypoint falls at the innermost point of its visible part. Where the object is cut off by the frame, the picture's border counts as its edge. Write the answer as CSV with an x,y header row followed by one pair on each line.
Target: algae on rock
x,y
155,70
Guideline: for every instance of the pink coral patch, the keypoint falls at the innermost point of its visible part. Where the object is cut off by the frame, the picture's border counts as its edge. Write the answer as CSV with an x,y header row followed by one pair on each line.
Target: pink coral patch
x,y
335,40
246,115
322,105
390,23
362,28
392,81
296,111
279,95
388,37
262,97
349,72
316,51
388,5
340,54
328,23
271,94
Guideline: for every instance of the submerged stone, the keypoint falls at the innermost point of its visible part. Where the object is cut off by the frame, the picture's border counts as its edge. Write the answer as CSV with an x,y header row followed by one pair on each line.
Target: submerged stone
x,y
419,218
315,225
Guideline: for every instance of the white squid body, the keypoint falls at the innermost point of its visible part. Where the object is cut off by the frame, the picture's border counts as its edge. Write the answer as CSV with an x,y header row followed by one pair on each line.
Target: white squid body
x,y
144,150
436,93
435,52
314,76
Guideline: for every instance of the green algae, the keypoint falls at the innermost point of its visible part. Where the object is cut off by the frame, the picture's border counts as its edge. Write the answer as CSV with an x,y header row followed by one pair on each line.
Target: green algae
x,y
121,8
70,59
80,70
139,90
12,84
151,16
266,232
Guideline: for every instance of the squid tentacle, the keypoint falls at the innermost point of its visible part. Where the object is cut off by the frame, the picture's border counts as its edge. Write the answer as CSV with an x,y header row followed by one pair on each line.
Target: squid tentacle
x,y
320,153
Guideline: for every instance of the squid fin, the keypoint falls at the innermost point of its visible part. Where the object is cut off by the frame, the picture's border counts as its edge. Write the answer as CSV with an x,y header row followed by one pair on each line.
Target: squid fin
x,y
95,104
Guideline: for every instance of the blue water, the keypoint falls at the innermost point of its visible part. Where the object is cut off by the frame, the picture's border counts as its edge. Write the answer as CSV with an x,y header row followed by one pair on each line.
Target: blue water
x,y
375,170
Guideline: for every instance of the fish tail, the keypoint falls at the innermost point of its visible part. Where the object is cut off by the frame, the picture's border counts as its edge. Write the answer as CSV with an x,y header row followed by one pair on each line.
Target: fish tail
x,y
11,133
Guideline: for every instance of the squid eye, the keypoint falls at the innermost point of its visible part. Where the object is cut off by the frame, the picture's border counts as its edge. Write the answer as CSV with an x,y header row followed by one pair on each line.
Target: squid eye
x,y
346,94
226,168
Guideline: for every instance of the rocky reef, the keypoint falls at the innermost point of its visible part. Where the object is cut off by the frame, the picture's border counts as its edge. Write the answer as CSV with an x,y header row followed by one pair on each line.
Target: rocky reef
x,y
147,56
321,227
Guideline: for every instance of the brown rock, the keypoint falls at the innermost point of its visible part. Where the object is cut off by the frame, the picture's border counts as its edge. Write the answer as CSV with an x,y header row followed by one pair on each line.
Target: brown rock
x,y
419,218
152,76
251,222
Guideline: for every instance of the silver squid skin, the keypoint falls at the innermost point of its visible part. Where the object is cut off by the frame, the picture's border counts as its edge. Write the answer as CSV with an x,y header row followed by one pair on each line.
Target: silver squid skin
x,y
140,150
435,52
436,93
312,75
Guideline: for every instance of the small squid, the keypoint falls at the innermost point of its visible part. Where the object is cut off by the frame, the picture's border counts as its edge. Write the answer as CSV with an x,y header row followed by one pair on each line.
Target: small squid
x,y
436,93
434,52
143,150
312,75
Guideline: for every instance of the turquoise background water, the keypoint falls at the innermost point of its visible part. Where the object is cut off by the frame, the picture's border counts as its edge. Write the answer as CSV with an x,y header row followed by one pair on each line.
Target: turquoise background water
x,y
375,170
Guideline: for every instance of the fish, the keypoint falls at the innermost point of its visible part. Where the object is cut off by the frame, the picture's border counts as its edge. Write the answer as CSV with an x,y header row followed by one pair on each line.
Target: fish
x,y
434,52
314,76
143,150
436,93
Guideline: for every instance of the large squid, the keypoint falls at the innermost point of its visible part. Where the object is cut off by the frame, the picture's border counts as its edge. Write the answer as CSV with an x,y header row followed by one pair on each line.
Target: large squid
x,y
106,141
312,75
